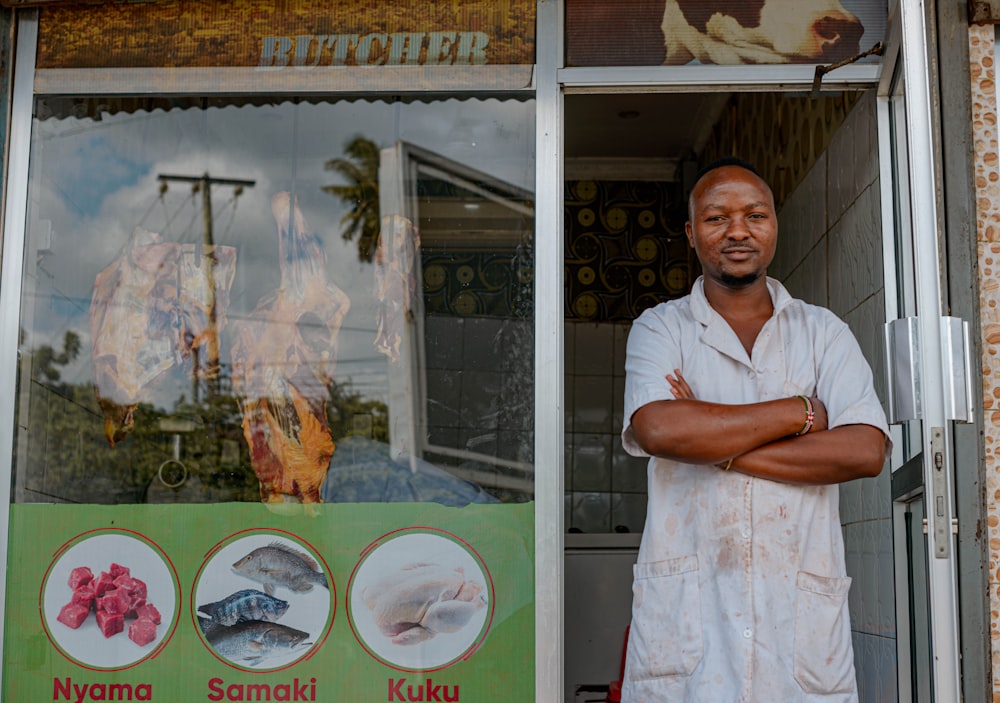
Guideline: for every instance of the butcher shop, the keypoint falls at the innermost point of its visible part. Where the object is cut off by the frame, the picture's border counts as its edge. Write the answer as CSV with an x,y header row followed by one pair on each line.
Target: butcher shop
x,y
315,314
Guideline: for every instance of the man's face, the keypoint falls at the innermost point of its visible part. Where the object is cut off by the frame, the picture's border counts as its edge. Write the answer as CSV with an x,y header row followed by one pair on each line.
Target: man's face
x,y
733,227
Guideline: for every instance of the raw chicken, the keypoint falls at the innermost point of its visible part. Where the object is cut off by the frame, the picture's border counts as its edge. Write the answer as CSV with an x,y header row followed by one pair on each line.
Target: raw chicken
x,y
283,362
422,600
156,306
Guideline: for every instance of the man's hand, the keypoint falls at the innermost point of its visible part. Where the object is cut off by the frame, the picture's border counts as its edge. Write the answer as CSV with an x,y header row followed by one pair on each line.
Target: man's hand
x,y
679,387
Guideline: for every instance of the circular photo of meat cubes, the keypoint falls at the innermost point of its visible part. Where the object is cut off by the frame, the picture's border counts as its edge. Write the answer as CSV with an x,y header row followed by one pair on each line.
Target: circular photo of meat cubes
x,y
420,600
263,600
109,599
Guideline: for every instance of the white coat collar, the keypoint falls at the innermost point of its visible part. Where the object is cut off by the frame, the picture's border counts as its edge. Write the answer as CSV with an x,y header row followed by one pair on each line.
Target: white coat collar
x,y
717,332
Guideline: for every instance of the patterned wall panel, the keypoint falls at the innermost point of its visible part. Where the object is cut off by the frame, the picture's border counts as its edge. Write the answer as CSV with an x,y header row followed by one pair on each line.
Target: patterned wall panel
x,y
474,284
781,135
625,248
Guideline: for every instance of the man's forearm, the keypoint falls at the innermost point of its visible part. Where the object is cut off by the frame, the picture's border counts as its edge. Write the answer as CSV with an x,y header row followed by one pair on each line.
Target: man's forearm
x,y
697,432
840,454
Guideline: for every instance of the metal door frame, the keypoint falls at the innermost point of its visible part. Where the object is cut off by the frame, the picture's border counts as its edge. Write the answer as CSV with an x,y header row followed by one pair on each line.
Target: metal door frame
x,y
907,35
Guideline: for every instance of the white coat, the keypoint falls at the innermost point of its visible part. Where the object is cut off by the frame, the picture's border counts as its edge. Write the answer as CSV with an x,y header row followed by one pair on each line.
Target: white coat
x,y
740,590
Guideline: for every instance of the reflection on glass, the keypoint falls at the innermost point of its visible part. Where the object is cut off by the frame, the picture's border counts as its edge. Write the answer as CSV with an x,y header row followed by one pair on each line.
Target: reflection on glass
x,y
280,302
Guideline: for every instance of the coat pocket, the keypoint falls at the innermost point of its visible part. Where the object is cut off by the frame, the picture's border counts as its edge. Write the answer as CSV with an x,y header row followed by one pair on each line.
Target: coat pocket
x,y
666,637
824,661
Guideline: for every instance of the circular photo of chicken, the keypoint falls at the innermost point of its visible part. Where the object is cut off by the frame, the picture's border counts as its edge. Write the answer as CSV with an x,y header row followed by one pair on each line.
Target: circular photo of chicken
x,y
263,600
420,600
109,599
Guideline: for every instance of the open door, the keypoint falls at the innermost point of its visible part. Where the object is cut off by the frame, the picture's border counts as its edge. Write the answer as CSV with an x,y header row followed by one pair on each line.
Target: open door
x,y
927,356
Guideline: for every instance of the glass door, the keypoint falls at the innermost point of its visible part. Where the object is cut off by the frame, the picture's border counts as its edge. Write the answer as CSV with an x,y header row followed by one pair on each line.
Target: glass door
x,y
922,474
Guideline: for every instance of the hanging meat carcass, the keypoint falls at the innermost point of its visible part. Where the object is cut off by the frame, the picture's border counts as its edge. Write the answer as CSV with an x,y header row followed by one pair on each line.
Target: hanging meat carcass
x,y
283,363
158,305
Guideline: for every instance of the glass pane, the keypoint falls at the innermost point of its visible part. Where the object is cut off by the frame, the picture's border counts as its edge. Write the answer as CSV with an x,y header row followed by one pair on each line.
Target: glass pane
x,y
903,235
216,297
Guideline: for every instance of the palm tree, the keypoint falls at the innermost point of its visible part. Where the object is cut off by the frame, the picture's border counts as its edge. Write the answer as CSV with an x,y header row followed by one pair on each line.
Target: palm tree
x,y
359,166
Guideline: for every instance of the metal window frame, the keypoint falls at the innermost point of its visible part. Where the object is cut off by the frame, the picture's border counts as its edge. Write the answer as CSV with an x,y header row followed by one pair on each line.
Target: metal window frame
x,y
11,270
548,324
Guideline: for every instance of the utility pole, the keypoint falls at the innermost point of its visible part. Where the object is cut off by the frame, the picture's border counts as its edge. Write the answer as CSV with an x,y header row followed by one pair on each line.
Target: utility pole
x,y
204,183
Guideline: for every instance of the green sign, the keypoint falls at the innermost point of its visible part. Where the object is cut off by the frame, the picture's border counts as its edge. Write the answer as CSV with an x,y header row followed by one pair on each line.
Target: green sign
x,y
251,602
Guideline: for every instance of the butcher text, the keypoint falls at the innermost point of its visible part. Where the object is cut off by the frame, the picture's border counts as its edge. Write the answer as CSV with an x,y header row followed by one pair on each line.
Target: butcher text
x,y
397,49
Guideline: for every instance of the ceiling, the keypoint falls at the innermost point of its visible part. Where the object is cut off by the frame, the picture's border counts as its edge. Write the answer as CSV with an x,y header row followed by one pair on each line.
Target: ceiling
x,y
637,134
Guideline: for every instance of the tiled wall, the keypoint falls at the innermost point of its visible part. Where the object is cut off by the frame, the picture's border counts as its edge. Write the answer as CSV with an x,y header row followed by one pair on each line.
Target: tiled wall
x,y
605,487
479,373
830,253
982,56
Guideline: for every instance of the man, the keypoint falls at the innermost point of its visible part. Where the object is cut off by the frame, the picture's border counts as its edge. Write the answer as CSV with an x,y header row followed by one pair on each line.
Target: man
x,y
752,406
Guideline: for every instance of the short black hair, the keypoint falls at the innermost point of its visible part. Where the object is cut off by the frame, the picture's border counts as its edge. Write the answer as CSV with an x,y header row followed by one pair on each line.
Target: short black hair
x,y
726,161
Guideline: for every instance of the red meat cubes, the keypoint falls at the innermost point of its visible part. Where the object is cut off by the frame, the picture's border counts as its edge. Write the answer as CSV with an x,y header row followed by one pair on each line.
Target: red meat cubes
x,y
113,596
110,623
73,615
147,611
142,632
80,576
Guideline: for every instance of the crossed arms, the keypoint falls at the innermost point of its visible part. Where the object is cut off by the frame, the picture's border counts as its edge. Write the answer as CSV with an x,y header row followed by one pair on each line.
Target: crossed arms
x,y
760,438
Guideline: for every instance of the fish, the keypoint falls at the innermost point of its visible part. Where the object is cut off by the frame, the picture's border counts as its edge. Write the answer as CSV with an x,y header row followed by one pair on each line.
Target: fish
x,y
280,565
254,641
248,604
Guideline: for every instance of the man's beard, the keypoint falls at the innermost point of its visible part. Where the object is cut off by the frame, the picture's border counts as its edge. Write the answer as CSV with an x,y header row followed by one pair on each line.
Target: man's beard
x,y
739,281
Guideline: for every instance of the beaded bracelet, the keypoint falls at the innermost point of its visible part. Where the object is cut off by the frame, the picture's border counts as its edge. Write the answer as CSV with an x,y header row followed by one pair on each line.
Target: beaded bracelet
x,y
810,416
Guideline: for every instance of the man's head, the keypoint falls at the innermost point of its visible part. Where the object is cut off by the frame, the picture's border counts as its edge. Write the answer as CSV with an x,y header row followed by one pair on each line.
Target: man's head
x,y
732,223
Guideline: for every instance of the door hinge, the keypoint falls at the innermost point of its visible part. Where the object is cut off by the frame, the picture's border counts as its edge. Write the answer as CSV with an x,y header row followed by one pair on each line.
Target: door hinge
x,y
954,526
903,349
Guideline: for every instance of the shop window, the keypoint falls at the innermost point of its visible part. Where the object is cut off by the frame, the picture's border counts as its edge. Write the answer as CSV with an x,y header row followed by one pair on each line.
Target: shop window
x,y
213,286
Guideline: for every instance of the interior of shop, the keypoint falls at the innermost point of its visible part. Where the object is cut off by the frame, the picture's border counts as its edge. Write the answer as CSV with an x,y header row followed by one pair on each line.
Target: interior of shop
x,y
630,159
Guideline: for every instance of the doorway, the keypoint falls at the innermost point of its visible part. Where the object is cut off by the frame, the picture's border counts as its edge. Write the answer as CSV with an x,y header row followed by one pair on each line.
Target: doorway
x,y
629,163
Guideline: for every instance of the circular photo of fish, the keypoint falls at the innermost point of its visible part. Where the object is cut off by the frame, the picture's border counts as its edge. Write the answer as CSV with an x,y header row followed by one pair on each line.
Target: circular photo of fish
x,y
420,600
109,599
263,600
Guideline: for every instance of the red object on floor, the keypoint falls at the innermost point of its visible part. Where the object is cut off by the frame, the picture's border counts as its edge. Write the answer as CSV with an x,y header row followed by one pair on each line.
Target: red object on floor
x,y
615,687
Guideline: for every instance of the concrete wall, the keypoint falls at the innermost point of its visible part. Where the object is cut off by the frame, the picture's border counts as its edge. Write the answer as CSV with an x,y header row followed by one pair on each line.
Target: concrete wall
x,y
982,57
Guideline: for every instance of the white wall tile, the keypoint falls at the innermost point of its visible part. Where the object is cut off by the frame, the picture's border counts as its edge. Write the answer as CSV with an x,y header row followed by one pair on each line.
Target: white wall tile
x,y
592,512
855,250
592,462
593,400
593,349
853,160
802,220
808,280
628,510
620,342
628,473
